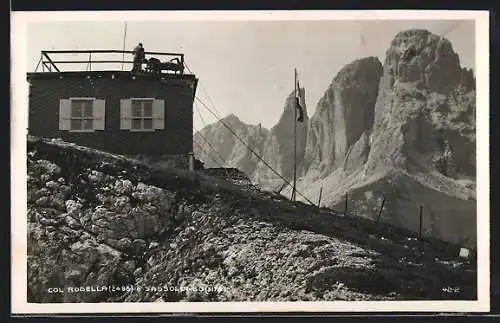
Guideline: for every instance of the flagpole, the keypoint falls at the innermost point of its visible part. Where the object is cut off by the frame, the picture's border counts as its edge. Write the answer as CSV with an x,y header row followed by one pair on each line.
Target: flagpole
x,y
295,138
124,38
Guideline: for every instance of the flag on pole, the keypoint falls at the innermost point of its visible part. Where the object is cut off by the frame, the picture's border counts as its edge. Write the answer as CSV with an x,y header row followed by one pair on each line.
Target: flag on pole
x,y
299,100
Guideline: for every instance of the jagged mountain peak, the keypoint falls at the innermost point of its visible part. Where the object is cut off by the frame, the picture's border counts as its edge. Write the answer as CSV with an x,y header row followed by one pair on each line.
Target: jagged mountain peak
x,y
231,118
343,113
359,66
426,59
226,148
236,124
278,148
290,107
412,32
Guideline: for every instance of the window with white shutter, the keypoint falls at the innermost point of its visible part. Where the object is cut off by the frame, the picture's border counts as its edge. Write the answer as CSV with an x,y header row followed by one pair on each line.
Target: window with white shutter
x,y
158,114
81,114
99,114
125,114
64,114
142,114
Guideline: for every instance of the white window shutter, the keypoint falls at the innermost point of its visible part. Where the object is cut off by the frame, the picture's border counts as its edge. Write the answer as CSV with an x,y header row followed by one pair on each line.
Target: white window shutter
x,y
64,114
99,114
159,114
125,114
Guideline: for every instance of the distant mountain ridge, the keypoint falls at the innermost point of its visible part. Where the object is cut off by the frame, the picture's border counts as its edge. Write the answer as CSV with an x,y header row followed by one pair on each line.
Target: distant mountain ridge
x,y
230,151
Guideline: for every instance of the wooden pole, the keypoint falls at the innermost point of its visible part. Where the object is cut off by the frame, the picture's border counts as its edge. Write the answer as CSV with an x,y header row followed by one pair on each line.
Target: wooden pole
x,y
420,224
345,204
380,211
124,38
319,199
191,161
294,138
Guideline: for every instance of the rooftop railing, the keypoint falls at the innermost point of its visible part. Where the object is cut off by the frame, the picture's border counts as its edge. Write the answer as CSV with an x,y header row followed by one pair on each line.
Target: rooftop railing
x,y
92,57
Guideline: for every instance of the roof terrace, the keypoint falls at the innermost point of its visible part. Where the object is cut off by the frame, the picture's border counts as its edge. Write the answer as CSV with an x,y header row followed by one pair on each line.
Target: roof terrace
x,y
61,61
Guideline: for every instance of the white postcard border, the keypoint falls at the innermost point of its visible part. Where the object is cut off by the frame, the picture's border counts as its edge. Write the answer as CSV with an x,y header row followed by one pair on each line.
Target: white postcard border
x,y
19,113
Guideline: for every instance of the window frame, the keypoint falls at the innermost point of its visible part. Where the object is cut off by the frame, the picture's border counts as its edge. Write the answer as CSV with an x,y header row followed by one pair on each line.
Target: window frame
x,y
71,117
142,117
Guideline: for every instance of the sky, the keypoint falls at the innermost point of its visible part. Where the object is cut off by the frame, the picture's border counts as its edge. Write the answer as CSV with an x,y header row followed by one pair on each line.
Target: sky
x,y
247,67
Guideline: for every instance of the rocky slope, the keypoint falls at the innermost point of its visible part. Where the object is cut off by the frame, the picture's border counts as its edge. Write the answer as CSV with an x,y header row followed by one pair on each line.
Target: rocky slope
x,y
127,232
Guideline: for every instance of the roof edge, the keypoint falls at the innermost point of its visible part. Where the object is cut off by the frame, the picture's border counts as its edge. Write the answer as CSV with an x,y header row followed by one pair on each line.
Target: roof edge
x,y
119,74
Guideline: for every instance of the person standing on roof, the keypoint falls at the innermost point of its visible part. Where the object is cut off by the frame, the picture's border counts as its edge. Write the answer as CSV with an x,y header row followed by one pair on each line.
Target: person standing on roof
x,y
139,57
